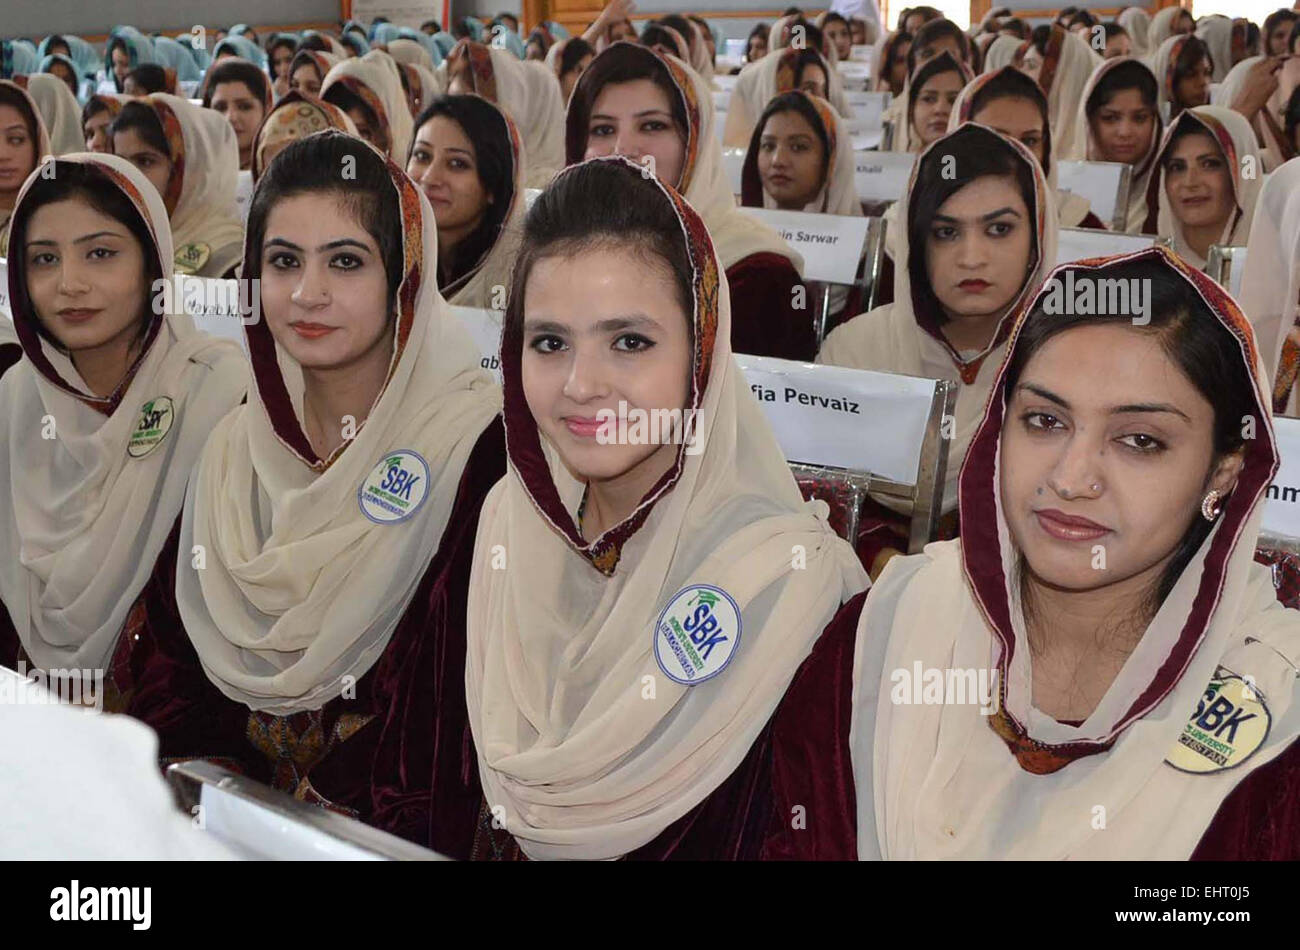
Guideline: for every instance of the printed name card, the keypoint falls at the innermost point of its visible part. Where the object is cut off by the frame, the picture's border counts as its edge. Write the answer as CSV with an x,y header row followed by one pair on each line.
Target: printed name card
x,y
883,176
831,244
862,54
485,327
1099,182
735,47
868,106
847,418
216,306
4,289
721,99
1282,503
1076,244
733,162
855,69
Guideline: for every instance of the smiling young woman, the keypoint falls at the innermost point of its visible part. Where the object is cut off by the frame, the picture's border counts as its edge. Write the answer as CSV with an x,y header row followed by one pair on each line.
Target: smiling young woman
x,y
24,141
1201,193
241,92
128,392
1111,502
369,89
191,158
467,159
338,506
601,733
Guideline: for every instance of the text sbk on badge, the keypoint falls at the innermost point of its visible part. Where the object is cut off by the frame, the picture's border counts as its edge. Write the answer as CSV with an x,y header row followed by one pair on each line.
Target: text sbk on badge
x,y
395,488
1230,723
156,418
696,635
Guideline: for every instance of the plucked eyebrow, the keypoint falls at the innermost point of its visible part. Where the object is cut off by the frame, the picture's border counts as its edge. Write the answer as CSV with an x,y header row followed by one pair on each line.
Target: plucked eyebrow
x,y
984,217
635,115
630,321
81,240
468,153
1126,408
328,246
16,126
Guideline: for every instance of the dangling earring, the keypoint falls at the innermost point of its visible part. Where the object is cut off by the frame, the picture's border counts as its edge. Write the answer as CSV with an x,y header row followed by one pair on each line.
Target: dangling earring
x,y
1210,504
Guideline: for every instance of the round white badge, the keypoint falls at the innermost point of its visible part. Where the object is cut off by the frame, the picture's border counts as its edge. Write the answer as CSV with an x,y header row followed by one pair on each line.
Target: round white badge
x,y
395,488
1229,724
697,634
156,418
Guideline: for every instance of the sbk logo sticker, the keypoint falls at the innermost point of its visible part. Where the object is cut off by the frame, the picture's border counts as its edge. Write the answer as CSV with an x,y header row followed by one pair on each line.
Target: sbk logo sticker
x,y
156,418
396,487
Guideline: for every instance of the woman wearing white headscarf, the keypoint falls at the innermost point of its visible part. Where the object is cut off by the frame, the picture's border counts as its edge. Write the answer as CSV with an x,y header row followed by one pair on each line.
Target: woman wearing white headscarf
x,y
527,91
60,112
1224,198
1270,285
1167,22
197,181
1137,23
1112,77
28,143
621,684
369,89
330,609
1244,89
778,72
763,272
1150,715
915,334
1062,69
1216,33
90,508
1001,52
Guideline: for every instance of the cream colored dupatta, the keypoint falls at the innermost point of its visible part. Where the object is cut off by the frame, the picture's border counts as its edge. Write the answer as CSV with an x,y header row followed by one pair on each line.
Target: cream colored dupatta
x,y
374,79
309,566
84,515
944,781
582,757
898,338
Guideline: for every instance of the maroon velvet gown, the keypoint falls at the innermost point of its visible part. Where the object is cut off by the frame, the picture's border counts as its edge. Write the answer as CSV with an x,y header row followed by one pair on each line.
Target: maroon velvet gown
x,y
792,795
764,321
399,755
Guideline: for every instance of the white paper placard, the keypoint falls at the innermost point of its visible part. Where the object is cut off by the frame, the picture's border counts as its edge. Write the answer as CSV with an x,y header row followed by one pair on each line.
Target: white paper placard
x,y
1282,503
733,162
188,87
883,176
848,418
244,193
485,327
735,47
1075,244
868,141
862,54
197,103
215,306
4,289
868,106
251,827
831,244
721,99
1096,181
854,69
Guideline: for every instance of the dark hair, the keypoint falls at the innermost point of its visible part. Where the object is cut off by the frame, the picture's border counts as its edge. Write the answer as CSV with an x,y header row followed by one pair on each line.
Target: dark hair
x,y
347,100
656,35
312,164
93,107
237,70
931,32
1081,16
833,17
1065,13
887,54
1129,75
353,42
1013,84
980,153
812,33
428,25
139,117
9,96
575,214
574,52
56,39
1015,25
628,65
1039,36
58,59
277,41
1208,354
494,159
1273,19
792,11
1190,56
73,180
760,30
936,66
1291,114
149,76
1112,30
751,185
1184,125
928,15
460,30
680,24
315,41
